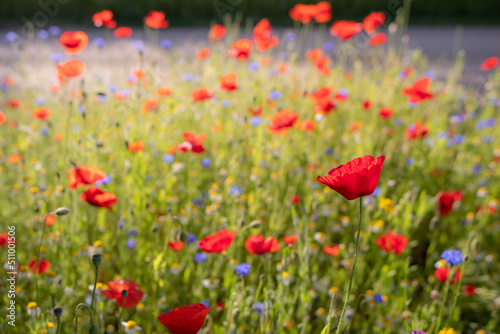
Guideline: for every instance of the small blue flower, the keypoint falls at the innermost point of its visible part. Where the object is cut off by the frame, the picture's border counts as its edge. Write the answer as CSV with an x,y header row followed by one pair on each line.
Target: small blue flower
x,y
205,302
235,191
120,224
430,74
410,161
54,31
188,77
274,95
191,238
379,298
98,42
225,104
398,121
45,132
43,34
253,66
256,121
56,57
329,151
206,162
290,36
243,269
82,109
131,243
200,257
486,139
168,158
102,98
113,89
344,92
453,257
166,44
283,55
11,37
258,307
132,233
328,46
138,45
39,101
377,192
197,202
106,180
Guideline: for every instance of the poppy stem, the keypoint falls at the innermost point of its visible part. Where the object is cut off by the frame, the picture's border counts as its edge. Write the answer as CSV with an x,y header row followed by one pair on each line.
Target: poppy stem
x,y
93,292
443,303
121,312
58,325
37,269
339,327
76,316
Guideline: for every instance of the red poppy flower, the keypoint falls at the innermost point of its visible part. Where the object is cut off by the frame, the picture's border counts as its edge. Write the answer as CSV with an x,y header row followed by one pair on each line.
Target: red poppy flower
x,y
307,125
217,242
446,201
442,275
323,12
201,94
74,42
303,13
490,63
314,54
42,113
2,117
392,242
469,290
289,240
71,69
84,175
4,239
96,197
203,53
257,244
355,179
417,130
156,20
115,291
228,81
14,103
216,32
41,266
367,104
105,18
372,21
282,121
175,245
262,36
136,146
163,91
377,39
255,110
345,29
186,319
386,112
50,220
295,199
241,49
332,250
419,91
193,142
122,32
150,105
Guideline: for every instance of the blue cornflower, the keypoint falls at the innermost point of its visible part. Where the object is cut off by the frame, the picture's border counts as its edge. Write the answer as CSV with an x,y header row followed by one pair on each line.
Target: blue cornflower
x,y
243,269
39,101
132,233
225,104
43,34
106,180
410,161
200,257
138,45
205,302
45,132
329,150
56,57
328,46
453,257
253,66
54,31
191,238
166,44
188,77
168,158
206,162
256,121
113,89
379,298
11,36
235,191
131,243
290,36
274,95
98,42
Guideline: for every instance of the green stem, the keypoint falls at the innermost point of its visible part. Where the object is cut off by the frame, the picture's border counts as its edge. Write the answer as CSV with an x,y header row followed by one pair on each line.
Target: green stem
x,y
121,313
38,257
76,317
339,327
93,292
330,314
58,325
445,297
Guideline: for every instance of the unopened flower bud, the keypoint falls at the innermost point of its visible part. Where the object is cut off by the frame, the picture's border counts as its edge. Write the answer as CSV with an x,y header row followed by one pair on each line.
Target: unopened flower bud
x,y
62,211
96,260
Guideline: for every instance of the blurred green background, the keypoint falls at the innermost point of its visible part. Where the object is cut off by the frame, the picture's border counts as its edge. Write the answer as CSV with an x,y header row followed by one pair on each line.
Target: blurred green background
x,y
201,12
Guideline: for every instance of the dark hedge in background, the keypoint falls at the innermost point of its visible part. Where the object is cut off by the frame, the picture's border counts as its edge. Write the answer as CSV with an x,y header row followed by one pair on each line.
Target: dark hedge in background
x,y
201,12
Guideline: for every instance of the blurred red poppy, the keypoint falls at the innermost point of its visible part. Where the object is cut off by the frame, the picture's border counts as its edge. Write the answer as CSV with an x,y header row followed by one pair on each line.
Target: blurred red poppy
x,y
262,36
150,105
74,42
417,130
257,244
84,175
289,240
186,319
122,32
392,242
163,91
356,178
372,21
156,20
218,242
193,142
490,64
115,291
203,53
71,69
386,112
282,121
307,125
105,18
332,250
175,245
446,201
442,275
216,32
241,49
41,266
136,146
345,29
228,81
201,94
378,39
50,220
42,113
96,197
419,91
2,117
323,12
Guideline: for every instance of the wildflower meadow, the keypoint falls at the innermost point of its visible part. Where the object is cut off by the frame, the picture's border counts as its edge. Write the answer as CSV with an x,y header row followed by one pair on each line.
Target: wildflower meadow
x,y
318,178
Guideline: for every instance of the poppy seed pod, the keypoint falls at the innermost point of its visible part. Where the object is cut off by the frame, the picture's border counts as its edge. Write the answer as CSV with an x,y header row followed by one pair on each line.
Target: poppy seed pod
x,y
58,312
96,260
124,293
93,329
62,211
